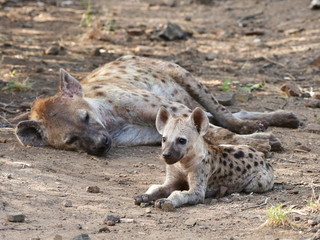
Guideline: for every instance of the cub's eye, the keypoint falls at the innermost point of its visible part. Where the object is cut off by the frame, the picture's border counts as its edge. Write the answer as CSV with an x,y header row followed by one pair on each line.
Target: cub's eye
x,y
164,139
182,141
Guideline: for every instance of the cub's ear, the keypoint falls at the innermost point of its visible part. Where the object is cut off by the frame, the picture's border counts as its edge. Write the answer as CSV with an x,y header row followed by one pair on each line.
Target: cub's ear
x,y
69,86
162,119
200,120
30,133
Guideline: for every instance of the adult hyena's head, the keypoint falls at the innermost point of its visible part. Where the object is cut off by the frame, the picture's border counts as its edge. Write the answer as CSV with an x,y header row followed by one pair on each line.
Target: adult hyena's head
x,y
180,135
65,121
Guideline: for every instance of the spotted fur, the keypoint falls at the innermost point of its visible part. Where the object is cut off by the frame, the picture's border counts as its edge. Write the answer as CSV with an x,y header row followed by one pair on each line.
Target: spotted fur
x,y
196,168
117,104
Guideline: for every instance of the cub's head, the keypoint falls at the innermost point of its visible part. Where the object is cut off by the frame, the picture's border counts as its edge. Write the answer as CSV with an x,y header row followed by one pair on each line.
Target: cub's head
x,y
180,135
65,121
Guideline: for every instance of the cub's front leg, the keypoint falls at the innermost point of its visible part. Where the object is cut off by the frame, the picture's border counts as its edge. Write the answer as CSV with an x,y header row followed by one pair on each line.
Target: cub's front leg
x,y
155,192
196,194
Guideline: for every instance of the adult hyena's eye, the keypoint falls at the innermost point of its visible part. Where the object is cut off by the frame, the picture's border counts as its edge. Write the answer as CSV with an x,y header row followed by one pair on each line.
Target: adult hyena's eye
x,y
182,140
164,139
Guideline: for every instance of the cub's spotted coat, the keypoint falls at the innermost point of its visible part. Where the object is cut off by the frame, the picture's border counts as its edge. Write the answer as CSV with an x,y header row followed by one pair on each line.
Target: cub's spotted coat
x,y
117,105
196,168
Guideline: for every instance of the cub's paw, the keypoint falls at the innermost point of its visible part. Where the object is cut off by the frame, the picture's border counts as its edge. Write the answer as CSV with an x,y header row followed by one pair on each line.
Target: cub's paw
x,y
164,204
143,198
283,118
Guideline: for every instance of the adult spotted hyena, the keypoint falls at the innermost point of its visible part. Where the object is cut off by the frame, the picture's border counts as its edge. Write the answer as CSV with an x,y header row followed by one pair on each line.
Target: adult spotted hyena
x,y
117,104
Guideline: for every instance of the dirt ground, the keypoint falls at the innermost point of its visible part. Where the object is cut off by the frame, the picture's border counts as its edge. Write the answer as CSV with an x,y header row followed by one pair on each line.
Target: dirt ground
x,y
234,43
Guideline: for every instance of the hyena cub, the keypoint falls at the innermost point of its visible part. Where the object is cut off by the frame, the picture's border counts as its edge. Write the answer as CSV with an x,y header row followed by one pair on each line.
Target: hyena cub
x,y
196,168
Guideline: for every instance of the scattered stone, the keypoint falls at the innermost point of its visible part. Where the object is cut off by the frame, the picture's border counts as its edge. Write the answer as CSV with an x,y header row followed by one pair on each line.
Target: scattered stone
x,y
210,57
143,205
110,223
93,189
135,31
82,236
297,218
302,149
293,31
191,222
67,203
57,237
313,103
315,4
214,201
111,218
127,220
254,32
188,18
36,238
170,32
16,217
312,127
53,50
99,51
316,62
226,98
293,191
148,210
291,89
305,95
104,229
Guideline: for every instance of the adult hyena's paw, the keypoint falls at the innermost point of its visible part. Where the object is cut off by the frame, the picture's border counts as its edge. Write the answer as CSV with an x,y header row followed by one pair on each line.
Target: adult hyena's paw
x,y
164,204
283,118
143,198
251,126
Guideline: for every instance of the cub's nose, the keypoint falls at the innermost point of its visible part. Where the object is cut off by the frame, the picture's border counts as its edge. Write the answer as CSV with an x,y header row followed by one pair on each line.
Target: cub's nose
x,y
166,155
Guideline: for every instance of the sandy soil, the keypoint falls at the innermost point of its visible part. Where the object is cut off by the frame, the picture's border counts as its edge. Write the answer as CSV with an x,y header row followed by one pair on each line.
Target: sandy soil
x,y
246,41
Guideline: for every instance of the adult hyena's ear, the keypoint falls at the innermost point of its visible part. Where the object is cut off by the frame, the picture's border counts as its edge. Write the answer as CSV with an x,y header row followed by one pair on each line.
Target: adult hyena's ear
x,y
69,86
200,120
162,119
30,133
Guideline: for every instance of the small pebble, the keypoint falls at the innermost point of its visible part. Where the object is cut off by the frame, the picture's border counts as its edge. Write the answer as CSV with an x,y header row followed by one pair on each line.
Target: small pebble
x,y
82,236
67,203
16,217
191,222
111,218
52,50
143,205
110,223
148,210
312,222
210,57
104,229
57,237
93,189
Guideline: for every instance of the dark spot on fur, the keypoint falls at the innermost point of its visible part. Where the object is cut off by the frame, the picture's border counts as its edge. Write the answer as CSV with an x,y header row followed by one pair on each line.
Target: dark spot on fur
x,y
153,105
268,166
162,80
219,170
256,163
225,163
96,87
199,85
206,91
225,155
100,94
261,162
230,173
220,160
229,150
259,184
145,95
110,101
146,99
174,109
244,171
185,115
231,165
250,155
248,166
239,154
238,169
243,162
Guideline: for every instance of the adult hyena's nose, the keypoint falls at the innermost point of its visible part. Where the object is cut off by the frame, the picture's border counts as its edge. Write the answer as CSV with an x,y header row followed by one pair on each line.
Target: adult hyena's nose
x,y
167,155
99,146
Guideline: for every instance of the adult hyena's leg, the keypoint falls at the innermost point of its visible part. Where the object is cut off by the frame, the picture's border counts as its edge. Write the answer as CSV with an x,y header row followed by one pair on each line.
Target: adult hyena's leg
x,y
278,118
203,95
